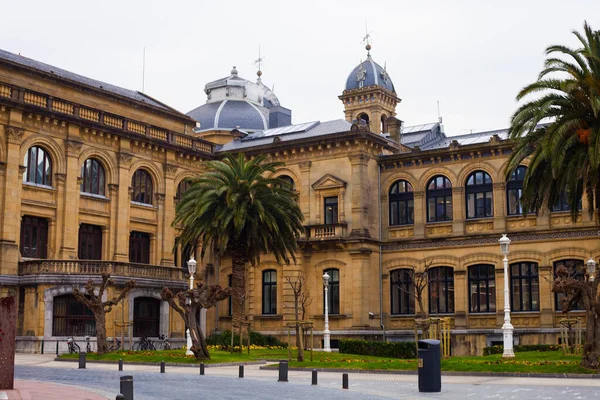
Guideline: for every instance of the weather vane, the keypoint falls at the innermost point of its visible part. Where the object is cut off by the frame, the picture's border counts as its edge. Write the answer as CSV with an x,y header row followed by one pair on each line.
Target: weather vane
x,y
259,62
367,40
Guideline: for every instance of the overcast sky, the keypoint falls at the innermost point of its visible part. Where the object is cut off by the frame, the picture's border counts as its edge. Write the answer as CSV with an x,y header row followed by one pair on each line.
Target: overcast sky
x,y
471,56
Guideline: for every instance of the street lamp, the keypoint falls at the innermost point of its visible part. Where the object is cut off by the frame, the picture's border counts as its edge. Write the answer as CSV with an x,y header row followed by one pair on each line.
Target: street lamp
x,y
591,269
326,333
191,265
507,328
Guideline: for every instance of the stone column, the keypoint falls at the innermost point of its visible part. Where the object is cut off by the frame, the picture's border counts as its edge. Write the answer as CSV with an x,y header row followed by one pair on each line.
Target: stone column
x,y
363,278
153,249
500,210
160,214
113,194
461,303
500,294
359,183
458,210
547,306
420,214
305,191
8,324
68,208
167,257
105,243
123,205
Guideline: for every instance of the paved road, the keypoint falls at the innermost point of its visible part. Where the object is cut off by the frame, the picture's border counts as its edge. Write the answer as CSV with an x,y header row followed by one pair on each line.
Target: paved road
x,y
222,383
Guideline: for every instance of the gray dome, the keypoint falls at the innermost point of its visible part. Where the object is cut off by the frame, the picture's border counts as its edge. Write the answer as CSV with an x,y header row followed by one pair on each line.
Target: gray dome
x,y
369,73
230,114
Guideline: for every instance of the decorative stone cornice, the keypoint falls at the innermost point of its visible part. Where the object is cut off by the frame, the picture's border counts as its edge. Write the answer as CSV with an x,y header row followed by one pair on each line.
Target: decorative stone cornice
x,y
113,187
171,169
305,165
22,170
61,178
359,159
160,198
15,135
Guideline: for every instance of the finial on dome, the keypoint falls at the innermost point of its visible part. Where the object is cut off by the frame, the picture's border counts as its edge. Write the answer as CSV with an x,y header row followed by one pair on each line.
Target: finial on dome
x,y
234,71
258,62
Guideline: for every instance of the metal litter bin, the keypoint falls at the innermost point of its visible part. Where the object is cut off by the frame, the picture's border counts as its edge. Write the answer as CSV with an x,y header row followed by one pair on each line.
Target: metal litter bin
x,y
430,367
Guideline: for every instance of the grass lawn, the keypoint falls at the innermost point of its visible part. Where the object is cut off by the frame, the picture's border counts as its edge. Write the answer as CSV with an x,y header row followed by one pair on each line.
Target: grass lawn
x,y
525,362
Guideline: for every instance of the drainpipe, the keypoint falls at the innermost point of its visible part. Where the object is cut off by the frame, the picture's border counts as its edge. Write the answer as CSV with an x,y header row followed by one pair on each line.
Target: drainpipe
x,y
380,253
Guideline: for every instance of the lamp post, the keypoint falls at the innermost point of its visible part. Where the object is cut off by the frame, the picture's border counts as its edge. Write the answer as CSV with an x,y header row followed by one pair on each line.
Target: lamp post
x,y
326,333
191,265
507,328
591,269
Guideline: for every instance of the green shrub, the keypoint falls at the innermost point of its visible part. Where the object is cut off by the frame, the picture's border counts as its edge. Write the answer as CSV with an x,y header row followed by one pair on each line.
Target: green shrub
x,y
224,340
378,349
520,348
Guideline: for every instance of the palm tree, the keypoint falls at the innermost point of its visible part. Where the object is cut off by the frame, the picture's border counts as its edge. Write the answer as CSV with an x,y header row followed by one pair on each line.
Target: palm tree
x,y
238,208
559,131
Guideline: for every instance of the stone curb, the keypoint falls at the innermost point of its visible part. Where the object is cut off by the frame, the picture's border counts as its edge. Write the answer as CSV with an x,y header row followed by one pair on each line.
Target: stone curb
x,y
444,373
168,364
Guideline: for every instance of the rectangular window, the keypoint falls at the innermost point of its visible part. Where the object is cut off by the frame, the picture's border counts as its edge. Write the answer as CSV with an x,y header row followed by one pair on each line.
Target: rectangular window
x,y
333,292
402,292
34,237
269,292
90,242
331,210
139,247
525,287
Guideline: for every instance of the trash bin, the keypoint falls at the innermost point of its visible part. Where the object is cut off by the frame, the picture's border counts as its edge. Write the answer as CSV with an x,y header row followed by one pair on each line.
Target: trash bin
x,y
430,367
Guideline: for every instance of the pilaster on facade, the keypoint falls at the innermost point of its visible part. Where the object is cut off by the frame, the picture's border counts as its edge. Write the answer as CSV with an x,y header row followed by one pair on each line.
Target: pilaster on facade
x,y
360,186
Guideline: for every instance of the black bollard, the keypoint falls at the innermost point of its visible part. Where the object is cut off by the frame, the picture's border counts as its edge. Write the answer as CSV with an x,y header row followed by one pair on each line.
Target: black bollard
x,y
120,397
283,371
162,367
314,376
82,360
42,346
344,381
57,347
201,368
120,364
241,375
127,387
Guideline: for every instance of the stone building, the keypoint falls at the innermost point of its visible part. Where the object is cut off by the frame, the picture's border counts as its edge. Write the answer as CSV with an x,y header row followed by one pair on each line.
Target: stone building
x,y
90,175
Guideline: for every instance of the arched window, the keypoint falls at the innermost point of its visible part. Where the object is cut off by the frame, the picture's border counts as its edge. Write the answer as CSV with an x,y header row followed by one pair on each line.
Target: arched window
x,y
576,270
146,317
363,117
38,167
441,290
333,293
439,199
401,203
480,195
562,202
288,180
142,187
269,292
402,291
514,190
525,287
92,173
183,187
72,318
482,289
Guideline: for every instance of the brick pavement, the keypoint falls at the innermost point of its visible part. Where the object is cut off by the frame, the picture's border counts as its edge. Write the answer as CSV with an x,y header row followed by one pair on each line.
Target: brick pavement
x,y
35,390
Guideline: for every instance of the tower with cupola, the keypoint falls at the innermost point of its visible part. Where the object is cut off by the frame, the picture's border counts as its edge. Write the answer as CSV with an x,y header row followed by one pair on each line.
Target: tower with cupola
x,y
370,95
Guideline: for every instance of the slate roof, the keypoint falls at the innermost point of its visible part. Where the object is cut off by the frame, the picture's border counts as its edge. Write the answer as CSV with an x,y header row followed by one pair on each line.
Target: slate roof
x,y
82,80
467,139
375,76
287,133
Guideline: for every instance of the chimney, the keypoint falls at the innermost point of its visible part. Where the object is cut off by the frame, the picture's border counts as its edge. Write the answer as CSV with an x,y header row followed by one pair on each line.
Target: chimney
x,y
394,126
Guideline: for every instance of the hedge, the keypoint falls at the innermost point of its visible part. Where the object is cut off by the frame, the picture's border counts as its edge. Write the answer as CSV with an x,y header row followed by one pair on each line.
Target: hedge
x,y
378,349
519,348
224,340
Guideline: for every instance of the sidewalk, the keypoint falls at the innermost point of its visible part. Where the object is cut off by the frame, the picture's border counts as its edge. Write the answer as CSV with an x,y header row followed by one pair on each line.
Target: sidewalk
x,y
35,390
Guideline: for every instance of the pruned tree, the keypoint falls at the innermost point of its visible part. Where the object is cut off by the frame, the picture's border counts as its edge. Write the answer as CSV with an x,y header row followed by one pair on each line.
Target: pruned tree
x,y
92,299
414,284
202,297
302,300
584,291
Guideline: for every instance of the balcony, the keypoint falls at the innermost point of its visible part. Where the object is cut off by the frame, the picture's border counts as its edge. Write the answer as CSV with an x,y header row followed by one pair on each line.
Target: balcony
x,y
92,267
326,232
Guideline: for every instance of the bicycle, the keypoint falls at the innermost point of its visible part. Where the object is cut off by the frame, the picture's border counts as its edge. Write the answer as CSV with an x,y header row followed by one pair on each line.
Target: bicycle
x,y
116,345
143,344
164,343
73,347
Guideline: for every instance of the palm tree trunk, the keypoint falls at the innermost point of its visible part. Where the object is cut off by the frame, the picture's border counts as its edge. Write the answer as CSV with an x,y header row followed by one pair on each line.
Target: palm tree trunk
x,y
238,272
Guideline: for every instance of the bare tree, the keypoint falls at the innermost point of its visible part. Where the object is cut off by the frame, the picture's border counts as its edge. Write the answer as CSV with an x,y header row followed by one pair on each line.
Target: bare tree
x,y
415,283
202,297
98,307
302,300
585,291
